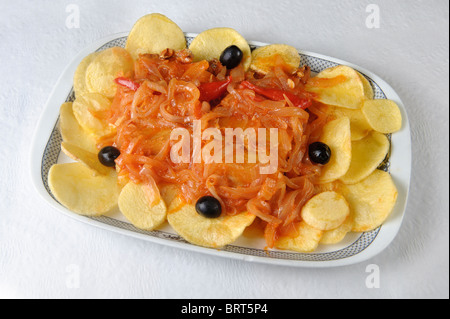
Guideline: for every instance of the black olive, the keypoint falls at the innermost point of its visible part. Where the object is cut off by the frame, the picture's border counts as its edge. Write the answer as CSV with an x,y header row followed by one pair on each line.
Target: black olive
x,y
108,155
319,153
231,57
208,207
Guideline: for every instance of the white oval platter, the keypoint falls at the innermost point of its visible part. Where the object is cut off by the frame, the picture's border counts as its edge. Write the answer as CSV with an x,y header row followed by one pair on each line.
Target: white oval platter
x,y
356,247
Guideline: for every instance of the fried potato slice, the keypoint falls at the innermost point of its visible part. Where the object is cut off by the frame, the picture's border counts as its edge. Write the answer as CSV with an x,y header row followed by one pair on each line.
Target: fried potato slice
x,y
139,209
335,236
105,68
210,44
154,33
367,155
85,157
344,87
169,193
72,132
206,232
368,90
77,188
337,135
263,58
359,126
307,240
371,200
326,211
327,187
383,116
79,79
85,109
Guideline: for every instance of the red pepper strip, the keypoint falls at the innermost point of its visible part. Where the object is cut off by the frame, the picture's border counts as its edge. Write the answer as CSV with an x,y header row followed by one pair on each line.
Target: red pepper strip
x,y
127,83
213,90
278,95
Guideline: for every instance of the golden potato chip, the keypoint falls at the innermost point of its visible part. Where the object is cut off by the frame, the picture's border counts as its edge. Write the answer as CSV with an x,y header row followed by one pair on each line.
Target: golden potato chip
x,y
77,188
327,187
154,33
336,134
90,110
169,193
264,58
367,155
105,68
368,90
79,79
359,126
335,236
307,240
85,157
371,200
72,132
325,211
383,116
206,232
339,86
139,209
210,44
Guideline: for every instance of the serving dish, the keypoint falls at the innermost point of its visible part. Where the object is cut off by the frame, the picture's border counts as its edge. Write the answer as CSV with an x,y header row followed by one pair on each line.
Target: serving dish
x,y
356,247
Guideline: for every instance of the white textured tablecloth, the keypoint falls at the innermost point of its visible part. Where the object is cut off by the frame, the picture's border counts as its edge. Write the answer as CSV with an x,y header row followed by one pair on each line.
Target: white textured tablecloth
x,y
41,249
